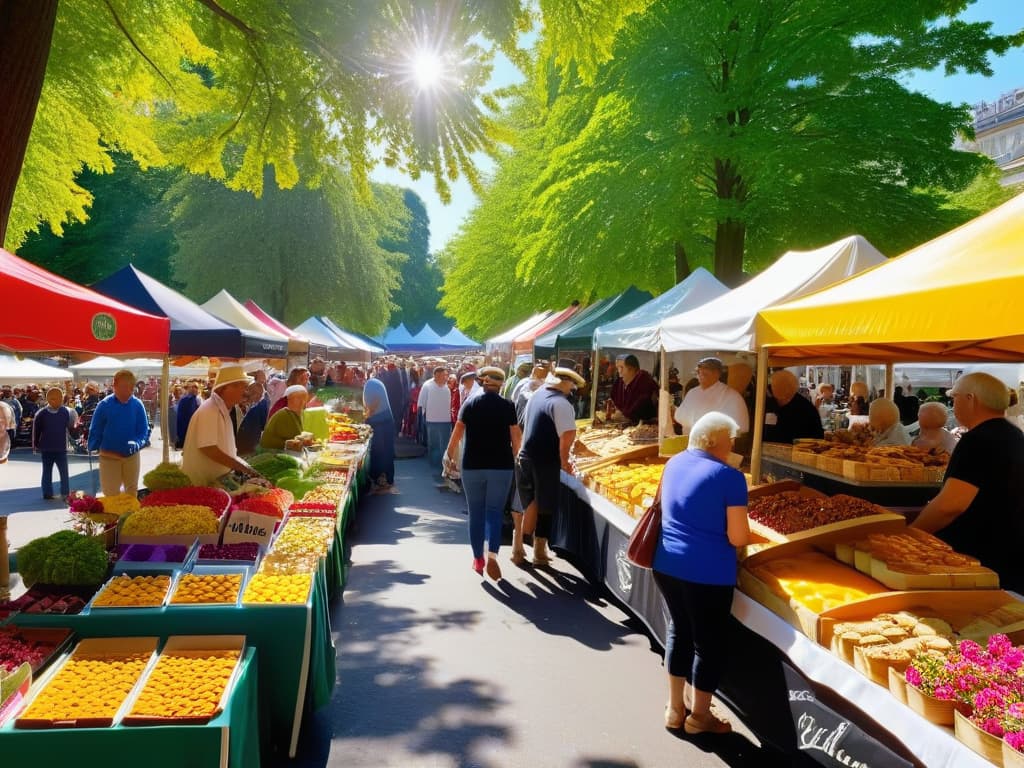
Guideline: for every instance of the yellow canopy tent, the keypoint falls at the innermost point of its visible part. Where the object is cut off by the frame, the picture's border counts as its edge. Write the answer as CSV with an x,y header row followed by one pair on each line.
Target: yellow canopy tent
x,y
954,298
957,297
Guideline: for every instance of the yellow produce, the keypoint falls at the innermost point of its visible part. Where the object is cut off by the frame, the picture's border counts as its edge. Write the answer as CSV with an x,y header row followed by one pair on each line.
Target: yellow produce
x,y
331,493
305,535
631,486
121,504
278,588
186,684
88,686
816,581
208,588
178,519
130,591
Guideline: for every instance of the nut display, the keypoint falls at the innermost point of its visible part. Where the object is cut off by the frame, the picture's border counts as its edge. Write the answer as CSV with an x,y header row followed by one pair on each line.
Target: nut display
x,y
790,512
88,686
207,588
133,591
278,588
206,673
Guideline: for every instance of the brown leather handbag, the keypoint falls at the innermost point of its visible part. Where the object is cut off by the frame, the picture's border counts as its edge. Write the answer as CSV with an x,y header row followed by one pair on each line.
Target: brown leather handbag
x,y
643,542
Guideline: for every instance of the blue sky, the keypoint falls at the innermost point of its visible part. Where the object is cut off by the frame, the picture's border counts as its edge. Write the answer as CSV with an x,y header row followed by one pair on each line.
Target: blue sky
x,y
1006,15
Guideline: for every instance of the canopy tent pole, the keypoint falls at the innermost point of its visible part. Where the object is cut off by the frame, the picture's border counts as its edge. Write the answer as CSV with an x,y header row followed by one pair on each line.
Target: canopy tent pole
x,y
664,403
890,380
595,366
165,417
760,399
5,565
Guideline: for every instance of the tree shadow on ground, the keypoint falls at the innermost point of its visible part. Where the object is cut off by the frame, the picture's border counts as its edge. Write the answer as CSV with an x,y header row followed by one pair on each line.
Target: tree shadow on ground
x,y
737,750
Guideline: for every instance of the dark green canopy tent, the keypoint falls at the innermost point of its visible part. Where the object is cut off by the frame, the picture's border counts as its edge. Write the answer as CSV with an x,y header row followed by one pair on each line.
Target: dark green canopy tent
x,y
577,332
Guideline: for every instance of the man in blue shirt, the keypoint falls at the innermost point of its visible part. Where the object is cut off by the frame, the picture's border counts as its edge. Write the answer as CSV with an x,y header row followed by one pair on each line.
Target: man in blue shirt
x,y
119,429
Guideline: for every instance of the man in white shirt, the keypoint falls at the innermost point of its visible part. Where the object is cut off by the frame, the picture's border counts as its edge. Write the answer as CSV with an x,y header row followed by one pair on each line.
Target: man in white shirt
x,y
435,401
470,387
712,395
210,449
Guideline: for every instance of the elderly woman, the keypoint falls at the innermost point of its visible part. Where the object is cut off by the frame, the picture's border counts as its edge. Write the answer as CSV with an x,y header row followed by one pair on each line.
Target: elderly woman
x,y
704,519
377,413
286,424
488,422
932,418
884,421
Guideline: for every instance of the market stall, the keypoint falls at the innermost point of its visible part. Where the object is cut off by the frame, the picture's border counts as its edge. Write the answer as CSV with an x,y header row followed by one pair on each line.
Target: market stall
x,y
226,307
338,348
457,341
577,333
26,371
499,348
523,343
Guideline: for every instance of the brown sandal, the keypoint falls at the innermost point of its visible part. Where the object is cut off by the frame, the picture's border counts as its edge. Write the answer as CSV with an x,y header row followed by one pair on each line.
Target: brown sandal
x,y
706,724
673,719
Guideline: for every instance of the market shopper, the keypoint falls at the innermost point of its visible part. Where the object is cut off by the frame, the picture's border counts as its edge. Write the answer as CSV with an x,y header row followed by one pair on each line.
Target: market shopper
x,y
712,394
634,393
788,416
119,430
187,406
932,418
884,421
286,424
249,432
488,423
548,434
297,375
7,396
51,428
704,519
7,425
526,388
377,413
210,450
980,509
435,402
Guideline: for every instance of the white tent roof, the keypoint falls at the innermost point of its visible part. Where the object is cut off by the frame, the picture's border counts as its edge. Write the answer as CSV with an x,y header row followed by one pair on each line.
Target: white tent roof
x,y
15,371
226,307
727,323
640,329
509,336
144,366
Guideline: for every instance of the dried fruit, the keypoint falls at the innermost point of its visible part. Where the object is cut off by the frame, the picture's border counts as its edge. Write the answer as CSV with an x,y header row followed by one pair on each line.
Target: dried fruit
x,y
208,588
207,674
133,591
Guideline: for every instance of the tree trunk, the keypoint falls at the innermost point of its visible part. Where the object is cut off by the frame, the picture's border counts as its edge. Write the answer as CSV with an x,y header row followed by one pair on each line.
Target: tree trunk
x,y
682,263
26,32
729,239
730,232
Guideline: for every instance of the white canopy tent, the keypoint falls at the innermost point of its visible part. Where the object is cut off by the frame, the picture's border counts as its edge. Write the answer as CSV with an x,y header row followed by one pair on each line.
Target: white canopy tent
x,y
727,323
14,371
100,367
227,308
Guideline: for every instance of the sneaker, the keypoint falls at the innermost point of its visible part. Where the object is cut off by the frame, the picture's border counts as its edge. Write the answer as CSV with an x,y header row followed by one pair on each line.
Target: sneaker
x,y
708,723
493,569
478,565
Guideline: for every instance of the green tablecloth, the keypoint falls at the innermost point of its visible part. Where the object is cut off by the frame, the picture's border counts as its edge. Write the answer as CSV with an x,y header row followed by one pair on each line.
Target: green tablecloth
x,y
296,649
230,739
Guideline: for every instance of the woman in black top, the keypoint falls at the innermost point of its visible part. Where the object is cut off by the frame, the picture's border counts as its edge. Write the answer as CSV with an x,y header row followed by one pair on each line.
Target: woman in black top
x,y
488,422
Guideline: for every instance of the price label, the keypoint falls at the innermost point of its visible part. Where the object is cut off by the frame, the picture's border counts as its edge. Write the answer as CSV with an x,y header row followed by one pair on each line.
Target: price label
x,y
249,526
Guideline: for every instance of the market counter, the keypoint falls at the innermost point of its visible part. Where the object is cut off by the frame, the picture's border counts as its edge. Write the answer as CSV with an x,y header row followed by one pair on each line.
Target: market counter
x,y
885,494
596,533
296,654
230,739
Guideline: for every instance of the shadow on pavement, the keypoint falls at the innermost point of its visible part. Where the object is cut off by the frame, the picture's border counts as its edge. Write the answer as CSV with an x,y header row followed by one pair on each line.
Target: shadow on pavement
x,y
737,750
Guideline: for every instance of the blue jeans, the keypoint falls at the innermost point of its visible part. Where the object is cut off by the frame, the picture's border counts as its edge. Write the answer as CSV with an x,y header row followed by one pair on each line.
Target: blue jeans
x,y
50,458
438,435
486,494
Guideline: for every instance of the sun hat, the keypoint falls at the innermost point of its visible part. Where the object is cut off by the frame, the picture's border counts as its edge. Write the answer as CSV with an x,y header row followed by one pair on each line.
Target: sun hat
x,y
294,389
229,374
559,375
467,375
492,372
711,362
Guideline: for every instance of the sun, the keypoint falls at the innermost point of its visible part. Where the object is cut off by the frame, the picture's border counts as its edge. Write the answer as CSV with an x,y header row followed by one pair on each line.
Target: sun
x,y
428,69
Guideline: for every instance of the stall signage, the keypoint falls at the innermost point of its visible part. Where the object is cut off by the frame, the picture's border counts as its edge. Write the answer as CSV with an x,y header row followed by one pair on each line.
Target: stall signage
x,y
104,326
249,526
829,738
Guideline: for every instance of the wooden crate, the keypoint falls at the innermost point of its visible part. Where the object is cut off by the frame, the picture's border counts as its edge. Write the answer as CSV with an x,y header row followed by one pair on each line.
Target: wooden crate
x,y
867,471
777,451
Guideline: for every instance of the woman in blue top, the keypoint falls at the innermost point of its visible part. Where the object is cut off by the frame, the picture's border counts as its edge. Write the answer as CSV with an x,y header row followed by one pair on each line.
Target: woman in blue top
x,y
704,519
377,413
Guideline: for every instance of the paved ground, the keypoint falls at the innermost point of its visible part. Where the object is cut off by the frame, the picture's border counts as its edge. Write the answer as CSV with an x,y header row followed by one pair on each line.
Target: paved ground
x,y
439,668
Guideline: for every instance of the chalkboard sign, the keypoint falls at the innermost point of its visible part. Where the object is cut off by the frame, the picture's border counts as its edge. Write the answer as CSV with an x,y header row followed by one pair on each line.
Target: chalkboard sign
x,y
829,738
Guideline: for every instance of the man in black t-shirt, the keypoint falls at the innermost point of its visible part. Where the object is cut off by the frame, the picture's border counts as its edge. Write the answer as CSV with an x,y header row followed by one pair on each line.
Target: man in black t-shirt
x,y
980,509
788,416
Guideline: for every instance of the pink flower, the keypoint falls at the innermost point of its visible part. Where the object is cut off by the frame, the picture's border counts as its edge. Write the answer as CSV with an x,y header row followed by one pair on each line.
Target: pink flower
x,y
913,677
944,691
1016,740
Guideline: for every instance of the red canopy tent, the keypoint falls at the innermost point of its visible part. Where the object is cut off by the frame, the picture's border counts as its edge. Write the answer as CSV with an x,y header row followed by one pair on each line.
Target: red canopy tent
x,y
46,313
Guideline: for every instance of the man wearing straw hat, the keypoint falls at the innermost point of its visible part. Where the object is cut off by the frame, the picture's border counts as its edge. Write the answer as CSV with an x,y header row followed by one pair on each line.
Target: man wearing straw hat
x,y
210,449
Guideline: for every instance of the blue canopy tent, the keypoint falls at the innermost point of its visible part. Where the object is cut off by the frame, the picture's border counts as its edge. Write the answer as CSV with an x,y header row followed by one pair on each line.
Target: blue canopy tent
x,y
357,339
427,338
194,331
348,348
457,340
397,338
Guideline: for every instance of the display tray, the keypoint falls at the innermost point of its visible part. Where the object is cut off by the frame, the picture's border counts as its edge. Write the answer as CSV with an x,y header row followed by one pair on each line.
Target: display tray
x,y
278,604
55,641
942,577
222,506
167,567
646,450
792,610
241,571
807,462
96,604
822,535
114,647
973,614
191,646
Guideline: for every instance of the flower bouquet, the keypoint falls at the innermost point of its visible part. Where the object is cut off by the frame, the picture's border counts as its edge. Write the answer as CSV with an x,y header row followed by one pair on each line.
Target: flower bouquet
x,y
88,516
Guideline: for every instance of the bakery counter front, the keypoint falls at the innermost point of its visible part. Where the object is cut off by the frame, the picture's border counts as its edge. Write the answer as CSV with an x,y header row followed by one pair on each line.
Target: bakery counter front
x,y
794,693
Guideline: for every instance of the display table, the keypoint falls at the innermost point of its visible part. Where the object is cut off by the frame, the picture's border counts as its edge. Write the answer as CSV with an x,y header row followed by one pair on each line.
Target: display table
x,y
884,494
296,650
230,739
596,532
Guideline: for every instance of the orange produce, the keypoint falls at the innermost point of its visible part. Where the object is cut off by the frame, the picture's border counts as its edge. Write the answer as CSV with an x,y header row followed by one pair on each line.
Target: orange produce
x,y
88,686
133,591
206,674
278,588
208,588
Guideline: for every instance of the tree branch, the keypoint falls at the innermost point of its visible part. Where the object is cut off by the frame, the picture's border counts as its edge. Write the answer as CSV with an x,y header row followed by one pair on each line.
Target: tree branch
x,y
128,35
233,20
